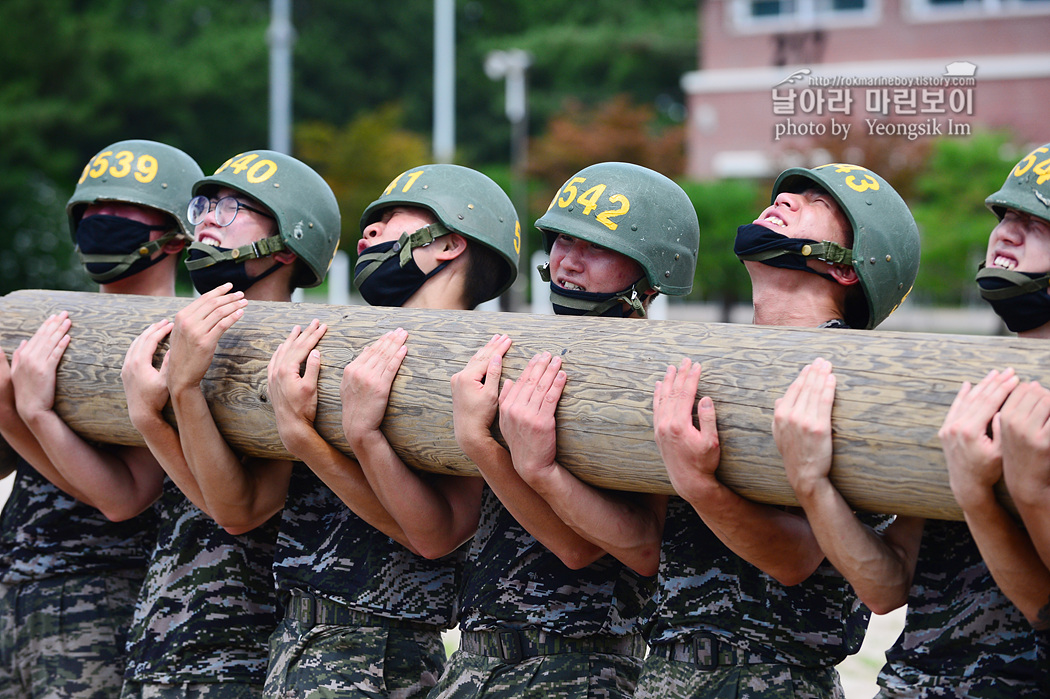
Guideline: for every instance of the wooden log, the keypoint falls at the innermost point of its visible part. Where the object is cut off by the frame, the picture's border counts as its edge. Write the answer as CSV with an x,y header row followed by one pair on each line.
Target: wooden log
x,y
893,388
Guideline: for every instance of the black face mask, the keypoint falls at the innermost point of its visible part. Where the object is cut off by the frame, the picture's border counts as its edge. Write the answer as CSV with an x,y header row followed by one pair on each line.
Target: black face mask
x,y
759,244
112,248
618,304
587,303
386,278
206,278
1019,298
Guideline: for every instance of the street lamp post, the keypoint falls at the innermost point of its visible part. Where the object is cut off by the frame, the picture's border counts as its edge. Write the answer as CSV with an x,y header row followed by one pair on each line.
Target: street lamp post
x,y
281,36
511,66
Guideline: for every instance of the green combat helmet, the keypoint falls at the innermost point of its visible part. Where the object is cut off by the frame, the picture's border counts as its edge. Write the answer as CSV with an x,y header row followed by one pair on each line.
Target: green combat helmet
x,y
1027,187
636,212
301,202
885,251
140,172
464,201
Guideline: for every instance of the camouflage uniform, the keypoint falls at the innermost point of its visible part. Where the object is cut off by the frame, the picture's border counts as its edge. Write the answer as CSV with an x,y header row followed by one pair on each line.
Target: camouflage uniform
x,y
363,615
206,608
533,627
723,628
962,637
68,582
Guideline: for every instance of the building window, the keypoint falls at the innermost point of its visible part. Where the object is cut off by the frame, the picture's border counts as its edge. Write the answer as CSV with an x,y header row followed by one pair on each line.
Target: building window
x,y
754,16
946,9
761,15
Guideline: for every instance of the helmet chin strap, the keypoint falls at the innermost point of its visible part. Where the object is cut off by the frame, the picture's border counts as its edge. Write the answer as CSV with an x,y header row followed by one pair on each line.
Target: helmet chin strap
x,y
369,262
596,304
1012,283
213,255
123,262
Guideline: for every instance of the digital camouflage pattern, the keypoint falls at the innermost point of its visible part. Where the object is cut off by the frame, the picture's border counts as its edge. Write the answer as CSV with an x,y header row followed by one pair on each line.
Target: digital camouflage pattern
x,y
64,636
69,582
962,636
327,553
568,676
670,679
208,690
45,533
705,588
326,661
513,581
207,606
326,550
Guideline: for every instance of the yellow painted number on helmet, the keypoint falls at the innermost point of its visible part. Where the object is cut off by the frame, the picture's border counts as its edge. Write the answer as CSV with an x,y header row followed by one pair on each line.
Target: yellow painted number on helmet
x,y
517,237
412,177
100,164
238,163
1042,168
122,163
589,199
145,166
261,171
256,171
868,182
605,217
1028,161
842,168
570,191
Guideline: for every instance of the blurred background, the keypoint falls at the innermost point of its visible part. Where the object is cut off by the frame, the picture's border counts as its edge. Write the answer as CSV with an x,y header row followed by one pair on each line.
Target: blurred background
x,y
529,92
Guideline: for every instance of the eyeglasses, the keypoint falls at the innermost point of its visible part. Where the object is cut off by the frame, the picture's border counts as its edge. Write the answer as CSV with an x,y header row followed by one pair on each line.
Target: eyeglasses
x,y
226,210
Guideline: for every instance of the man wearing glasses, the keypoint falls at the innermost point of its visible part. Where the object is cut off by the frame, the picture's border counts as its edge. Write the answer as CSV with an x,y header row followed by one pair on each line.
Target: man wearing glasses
x,y
265,224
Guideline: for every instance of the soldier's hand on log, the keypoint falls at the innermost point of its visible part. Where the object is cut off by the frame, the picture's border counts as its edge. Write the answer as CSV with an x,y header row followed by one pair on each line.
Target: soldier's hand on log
x,y
34,366
475,394
294,397
145,387
690,454
975,459
1025,430
365,388
802,428
198,328
526,415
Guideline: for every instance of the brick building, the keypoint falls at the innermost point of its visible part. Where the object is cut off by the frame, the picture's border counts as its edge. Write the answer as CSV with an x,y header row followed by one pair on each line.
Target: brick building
x,y
777,73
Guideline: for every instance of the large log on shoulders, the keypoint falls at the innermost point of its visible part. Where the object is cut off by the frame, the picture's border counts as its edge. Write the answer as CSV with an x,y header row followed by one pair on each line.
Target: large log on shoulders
x,y
893,388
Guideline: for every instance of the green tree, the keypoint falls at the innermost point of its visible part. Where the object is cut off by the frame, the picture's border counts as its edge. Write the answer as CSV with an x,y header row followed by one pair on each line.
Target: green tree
x,y
194,73
78,76
583,53
722,206
360,159
949,208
